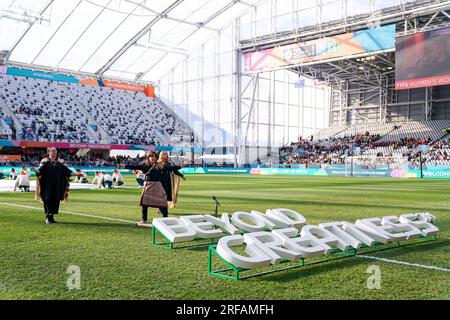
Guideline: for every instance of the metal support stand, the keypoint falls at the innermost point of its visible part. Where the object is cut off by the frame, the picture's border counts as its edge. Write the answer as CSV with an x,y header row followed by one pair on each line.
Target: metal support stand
x,y
216,210
421,165
235,273
167,244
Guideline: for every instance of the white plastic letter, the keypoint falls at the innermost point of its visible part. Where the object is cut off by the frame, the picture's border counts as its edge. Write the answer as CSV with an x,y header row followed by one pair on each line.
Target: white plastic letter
x,y
307,246
271,245
293,217
373,227
346,240
174,229
422,221
408,230
327,239
202,227
223,223
254,261
361,235
257,225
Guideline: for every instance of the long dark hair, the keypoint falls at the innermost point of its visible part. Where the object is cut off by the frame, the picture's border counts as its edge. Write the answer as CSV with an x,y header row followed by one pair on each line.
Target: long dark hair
x,y
150,154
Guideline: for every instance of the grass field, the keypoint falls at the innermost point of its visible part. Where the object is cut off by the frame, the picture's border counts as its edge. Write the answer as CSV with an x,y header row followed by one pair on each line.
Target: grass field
x,y
117,260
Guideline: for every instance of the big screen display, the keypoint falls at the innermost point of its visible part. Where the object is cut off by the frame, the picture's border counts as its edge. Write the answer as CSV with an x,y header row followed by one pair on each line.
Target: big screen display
x,y
423,60
334,47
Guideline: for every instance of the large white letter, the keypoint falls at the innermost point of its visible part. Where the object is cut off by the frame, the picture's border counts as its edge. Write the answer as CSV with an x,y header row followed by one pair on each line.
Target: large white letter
x,y
264,219
346,240
408,230
307,246
361,235
202,227
270,245
373,225
223,223
421,221
257,225
254,261
321,235
290,216
174,229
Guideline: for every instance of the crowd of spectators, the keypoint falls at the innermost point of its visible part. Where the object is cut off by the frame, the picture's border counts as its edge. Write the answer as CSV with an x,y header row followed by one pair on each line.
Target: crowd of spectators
x,y
71,159
39,130
62,112
335,150
6,125
438,153
329,151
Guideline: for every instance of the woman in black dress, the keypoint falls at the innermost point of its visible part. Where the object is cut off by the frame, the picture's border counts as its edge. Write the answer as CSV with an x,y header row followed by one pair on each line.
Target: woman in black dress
x,y
156,171
52,184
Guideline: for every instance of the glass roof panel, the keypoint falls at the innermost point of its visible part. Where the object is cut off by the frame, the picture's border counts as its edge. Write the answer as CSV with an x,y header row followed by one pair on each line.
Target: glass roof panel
x,y
40,34
128,58
160,29
189,7
66,36
15,17
84,35
92,39
227,16
179,33
149,57
207,10
9,32
127,29
162,67
158,6
198,38
23,5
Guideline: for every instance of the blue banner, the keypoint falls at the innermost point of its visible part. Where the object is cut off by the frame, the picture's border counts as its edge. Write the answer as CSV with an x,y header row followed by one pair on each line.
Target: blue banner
x,y
429,172
41,75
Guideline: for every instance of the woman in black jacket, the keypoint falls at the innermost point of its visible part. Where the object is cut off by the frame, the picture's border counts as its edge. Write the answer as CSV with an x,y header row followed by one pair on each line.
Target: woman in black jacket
x,y
156,171
52,183
169,178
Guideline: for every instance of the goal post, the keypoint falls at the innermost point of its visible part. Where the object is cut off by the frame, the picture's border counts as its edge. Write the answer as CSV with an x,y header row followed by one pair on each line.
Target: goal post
x,y
374,166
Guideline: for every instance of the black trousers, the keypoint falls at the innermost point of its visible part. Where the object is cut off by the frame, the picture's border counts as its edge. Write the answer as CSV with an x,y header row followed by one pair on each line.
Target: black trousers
x,y
51,206
163,211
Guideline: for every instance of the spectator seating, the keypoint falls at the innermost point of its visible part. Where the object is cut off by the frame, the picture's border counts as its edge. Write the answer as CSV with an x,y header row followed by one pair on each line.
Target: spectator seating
x,y
55,111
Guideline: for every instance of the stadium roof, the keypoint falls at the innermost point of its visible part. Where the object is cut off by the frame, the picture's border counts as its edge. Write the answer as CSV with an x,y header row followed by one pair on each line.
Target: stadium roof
x,y
135,40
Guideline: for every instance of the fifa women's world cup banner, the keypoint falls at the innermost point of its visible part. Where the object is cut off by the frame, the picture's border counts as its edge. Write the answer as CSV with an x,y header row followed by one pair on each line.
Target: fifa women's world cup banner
x,y
283,234
340,46
422,60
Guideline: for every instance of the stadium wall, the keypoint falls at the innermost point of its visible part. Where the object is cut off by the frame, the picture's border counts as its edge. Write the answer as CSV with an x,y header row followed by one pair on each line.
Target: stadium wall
x,y
429,172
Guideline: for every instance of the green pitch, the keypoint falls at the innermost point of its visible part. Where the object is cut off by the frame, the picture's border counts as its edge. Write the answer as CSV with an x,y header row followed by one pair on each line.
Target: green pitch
x,y
117,260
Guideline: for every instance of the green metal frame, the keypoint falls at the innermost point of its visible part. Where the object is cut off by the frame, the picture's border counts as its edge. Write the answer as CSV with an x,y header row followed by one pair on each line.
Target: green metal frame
x,y
167,244
339,254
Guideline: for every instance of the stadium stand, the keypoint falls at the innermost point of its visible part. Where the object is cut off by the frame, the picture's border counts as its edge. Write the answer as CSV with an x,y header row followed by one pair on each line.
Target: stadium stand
x,y
44,110
53,111
334,150
389,131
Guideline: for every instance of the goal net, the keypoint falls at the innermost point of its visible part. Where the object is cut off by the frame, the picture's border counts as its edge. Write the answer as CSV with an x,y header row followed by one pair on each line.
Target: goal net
x,y
373,166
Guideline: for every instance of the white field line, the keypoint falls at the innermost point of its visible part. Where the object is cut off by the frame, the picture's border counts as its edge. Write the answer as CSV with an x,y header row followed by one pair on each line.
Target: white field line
x,y
73,213
404,263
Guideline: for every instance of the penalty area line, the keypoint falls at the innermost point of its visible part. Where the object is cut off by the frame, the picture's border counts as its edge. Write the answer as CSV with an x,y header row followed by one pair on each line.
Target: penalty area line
x,y
72,213
423,266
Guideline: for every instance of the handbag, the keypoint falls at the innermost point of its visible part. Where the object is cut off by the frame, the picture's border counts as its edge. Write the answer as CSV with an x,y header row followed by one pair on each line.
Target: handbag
x,y
153,195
